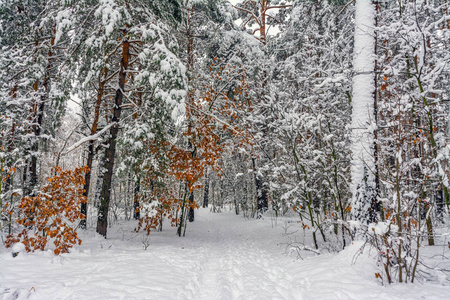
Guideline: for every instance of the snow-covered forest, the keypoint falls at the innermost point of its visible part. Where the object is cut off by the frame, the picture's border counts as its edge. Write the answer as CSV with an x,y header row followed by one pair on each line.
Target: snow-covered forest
x,y
224,149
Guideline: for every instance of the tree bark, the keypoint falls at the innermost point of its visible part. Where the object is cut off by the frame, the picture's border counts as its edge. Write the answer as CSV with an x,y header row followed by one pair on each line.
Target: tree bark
x,y
190,94
136,204
37,118
191,208
38,109
206,191
262,202
110,151
363,185
91,151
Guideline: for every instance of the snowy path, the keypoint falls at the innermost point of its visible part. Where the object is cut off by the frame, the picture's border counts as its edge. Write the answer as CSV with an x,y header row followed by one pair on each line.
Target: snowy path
x,y
231,264
223,256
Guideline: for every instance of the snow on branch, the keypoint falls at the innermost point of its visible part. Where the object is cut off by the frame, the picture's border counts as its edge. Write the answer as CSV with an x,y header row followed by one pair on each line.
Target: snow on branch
x,y
89,138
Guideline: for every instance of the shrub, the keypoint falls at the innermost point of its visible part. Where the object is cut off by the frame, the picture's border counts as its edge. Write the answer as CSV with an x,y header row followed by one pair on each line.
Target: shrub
x,y
52,215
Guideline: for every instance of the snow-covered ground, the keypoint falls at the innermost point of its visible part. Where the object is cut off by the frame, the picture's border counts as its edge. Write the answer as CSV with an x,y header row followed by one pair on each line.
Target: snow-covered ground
x,y
223,256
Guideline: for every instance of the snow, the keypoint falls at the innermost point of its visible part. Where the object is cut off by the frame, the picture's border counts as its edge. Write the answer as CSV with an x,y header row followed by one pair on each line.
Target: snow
x,y
150,209
223,256
63,22
110,15
17,248
89,138
362,98
381,228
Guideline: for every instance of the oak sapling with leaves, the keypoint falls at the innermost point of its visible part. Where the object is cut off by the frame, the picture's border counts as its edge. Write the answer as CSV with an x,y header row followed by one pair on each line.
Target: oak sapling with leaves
x,y
52,215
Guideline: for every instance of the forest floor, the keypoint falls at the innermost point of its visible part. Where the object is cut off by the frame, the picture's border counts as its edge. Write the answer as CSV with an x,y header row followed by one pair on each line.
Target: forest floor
x,y
222,256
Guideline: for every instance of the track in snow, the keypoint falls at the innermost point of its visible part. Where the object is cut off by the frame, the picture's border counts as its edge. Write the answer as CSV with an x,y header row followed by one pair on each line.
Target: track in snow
x,y
231,264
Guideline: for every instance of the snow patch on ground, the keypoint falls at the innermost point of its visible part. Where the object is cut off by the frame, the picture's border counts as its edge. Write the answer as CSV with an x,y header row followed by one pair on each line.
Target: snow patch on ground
x,y
223,256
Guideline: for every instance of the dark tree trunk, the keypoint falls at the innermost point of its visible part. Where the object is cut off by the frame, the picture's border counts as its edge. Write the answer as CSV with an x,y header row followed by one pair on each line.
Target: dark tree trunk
x,y
91,151
430,230
38,120
9,146
87,183
376,204
440,207
191,208
190,95
7,186
206,191
183,210
110,151
136,204
25,185
261,191
33,168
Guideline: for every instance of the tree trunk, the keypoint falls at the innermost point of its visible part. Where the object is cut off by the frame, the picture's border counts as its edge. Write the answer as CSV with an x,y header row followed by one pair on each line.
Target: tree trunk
x,y
87,184
91,152
136,204
190,95
183,212
363,185
38,112
430,231
191,208
261,191
38,109
110,151
440,206
10,148
376,205
206,191
429,224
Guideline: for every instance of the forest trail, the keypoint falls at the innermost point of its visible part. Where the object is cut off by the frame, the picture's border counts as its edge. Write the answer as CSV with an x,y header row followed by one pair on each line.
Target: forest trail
x,y
233,261
223,256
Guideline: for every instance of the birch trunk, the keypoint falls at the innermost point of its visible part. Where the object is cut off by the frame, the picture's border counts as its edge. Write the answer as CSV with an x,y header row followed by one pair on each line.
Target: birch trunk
x,y
363,118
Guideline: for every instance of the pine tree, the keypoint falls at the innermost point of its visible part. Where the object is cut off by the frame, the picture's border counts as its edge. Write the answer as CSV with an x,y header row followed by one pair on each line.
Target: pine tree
x,y
33,90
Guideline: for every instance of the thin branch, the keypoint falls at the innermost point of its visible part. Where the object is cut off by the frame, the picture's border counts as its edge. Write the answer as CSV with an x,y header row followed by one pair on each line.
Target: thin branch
x,y
344,8
93,137
249,12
